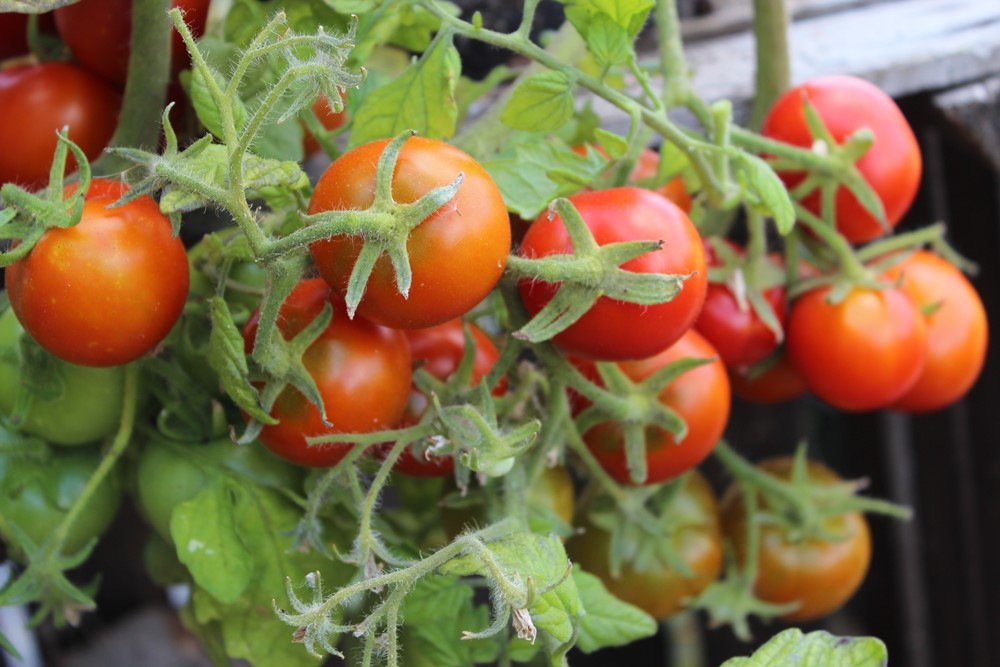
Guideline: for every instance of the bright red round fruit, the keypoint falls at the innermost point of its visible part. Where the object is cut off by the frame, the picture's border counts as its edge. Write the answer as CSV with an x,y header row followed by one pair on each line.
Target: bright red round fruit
x,y
457,254
779,383
892,166
107,290
615,330
957,331
98,32
362,371
862,353
700,396
37,100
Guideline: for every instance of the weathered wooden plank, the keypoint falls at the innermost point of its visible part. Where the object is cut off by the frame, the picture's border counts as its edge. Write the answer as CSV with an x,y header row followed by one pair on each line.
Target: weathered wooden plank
x,y
974,109
730,16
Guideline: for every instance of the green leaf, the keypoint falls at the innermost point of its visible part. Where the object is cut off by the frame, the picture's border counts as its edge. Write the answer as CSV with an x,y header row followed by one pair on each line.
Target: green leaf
x,y
608,41
437,611
422,99
541,102
249,628
607,620
615,145
205,106
228,359
280,141
770,192
792,648
628,14
534,172
203,528
524,556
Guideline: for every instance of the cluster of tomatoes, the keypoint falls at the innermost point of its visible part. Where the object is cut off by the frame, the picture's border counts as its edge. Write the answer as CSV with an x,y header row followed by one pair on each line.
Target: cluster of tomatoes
x,y
109,290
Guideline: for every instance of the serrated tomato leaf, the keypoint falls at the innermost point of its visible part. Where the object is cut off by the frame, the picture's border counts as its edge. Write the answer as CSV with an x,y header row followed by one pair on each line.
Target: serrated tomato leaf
x,y
792,648
606,620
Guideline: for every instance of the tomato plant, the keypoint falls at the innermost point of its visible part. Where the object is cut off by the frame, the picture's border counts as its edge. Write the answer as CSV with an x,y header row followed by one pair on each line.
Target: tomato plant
x,y
862,353
821,574
694,534
456,254
327,118
37,495
439,350
362,371
956,331
700,396
611,329
37,100
98,33
780,382
105,291
892,166
75,405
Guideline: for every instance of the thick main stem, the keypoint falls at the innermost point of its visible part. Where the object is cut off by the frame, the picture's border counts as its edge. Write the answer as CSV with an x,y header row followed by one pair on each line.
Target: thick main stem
x,y
774,73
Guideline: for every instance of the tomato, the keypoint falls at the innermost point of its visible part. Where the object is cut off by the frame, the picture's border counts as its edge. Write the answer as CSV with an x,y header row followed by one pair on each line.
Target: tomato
x,y
329,120
362,371
822,575
37,100
98,33
862,353
700,396
957,333
37,495
457,254
779,383
614,330
87,406
439,349
549,498
107,290
892,167
737,332
13,34
169,473
657,588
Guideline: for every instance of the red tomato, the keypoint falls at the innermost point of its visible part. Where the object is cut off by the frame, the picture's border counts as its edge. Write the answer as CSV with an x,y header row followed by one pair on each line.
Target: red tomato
x,y
862,353
700,396
98,33
457,254
440,349
362,371
615,330
737,333
37,100
328,119
957,333
657,588
779,383
107,290
822,575
13,34
892,166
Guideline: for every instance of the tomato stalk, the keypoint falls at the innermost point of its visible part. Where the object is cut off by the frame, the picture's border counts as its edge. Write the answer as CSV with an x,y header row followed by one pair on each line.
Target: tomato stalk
x,y
773,72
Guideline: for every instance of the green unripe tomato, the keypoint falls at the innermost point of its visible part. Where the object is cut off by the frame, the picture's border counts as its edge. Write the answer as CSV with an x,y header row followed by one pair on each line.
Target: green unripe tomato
x,y
77,404
169,474
37,495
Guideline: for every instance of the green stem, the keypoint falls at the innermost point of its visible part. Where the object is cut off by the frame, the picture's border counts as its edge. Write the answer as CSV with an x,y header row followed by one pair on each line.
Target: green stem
x,y
146,85
118,445
903,241
673,64
850,265
770,25
685,648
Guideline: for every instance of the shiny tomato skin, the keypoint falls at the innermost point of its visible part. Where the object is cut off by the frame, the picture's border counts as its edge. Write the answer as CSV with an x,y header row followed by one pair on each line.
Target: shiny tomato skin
x,y
439,350
457,254
738,334
660,590
37,100
892,166
362,370
779,383
98,33
701,397
645,168
107,290
957,331
862,353
13,34
615,330
820,574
